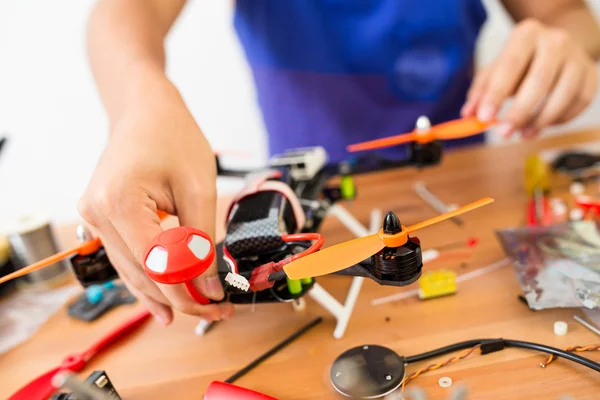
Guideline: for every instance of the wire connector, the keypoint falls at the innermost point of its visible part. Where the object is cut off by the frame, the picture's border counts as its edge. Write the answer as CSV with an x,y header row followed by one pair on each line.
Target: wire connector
x,y
260,277
492,346
237,281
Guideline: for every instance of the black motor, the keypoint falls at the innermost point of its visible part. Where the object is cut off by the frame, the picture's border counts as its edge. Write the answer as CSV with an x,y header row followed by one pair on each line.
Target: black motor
x,y
399,264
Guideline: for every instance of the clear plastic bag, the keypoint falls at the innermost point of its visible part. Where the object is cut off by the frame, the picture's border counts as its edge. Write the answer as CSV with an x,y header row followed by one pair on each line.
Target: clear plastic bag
x,y
557,266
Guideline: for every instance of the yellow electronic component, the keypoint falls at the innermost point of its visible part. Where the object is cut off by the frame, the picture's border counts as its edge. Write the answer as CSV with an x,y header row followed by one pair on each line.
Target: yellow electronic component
x,y
436,284
536,175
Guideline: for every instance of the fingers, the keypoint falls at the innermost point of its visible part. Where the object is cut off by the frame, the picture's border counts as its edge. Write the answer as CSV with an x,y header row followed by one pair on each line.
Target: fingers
x,y
196,207
137,222
585,96
131,217
476,91
550,78
508,70
129,270
540,79
562,98
161,312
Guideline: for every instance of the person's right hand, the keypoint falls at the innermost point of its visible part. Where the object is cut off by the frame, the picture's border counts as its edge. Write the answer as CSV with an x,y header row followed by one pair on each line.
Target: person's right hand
x,y
156,159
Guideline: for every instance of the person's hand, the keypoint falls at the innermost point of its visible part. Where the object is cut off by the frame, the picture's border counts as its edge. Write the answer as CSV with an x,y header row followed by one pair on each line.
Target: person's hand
x,y
551,78
156,159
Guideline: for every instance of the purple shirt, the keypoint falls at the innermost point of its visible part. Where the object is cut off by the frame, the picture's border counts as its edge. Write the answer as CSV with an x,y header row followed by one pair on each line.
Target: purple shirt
x,y
338,72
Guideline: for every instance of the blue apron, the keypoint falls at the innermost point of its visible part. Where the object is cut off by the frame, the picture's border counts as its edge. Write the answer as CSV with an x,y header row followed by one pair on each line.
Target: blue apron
x,y
337,72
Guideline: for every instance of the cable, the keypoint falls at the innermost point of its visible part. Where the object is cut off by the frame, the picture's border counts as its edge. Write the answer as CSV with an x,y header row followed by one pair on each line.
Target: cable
x,y
572,348
492,345
443,350
556,352
433,367
298,237
277,297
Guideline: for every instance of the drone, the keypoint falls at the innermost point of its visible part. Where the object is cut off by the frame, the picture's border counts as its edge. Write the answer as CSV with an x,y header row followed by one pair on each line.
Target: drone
x,y
273,251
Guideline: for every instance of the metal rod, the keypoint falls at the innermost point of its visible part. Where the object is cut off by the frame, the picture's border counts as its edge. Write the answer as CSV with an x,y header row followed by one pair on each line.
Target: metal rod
x,y
435,202
587,324
272,351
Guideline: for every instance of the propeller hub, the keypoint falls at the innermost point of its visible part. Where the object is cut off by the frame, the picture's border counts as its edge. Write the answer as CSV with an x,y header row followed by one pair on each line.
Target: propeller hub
x,y
423,125
391,224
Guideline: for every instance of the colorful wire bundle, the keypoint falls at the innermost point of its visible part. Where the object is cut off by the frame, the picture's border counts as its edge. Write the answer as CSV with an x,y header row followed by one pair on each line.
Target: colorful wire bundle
x,y
464,354
571,349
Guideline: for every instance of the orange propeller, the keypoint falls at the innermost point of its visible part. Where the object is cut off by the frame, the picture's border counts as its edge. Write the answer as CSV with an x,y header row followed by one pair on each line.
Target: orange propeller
x,y
84,249
347,254
425,133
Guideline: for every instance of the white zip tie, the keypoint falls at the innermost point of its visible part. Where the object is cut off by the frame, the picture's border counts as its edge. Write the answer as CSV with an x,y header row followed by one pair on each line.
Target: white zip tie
x,y
461,278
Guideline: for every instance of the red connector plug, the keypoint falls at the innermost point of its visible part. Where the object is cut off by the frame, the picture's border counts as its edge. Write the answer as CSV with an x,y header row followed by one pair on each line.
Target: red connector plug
x,y
260,277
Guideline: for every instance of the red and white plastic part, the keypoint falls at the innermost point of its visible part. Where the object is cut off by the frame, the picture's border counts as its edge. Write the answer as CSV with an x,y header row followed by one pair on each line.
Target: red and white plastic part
x,y
179,255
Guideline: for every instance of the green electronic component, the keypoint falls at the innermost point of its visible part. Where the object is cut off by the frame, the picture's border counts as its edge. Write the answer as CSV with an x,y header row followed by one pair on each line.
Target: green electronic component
x,y
347,187
306,281
294,286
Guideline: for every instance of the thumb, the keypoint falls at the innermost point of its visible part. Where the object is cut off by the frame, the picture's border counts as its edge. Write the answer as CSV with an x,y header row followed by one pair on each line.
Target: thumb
x,y
137,221
197,209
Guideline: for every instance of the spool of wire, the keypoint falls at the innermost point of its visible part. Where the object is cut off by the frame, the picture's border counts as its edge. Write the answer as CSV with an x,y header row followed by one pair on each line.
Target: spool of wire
x,y
6,266
32,239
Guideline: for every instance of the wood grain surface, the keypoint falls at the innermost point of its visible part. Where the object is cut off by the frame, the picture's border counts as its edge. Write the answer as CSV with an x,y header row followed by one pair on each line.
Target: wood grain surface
x,y
173,363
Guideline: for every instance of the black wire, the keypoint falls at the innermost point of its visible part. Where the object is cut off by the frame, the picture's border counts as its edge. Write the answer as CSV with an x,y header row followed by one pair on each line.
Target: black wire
x,y
557,352
275,276
274,350
442,350
507,343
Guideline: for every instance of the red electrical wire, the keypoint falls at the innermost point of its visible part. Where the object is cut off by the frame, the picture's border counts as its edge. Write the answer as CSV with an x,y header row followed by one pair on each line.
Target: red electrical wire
x,y
299,237
230,258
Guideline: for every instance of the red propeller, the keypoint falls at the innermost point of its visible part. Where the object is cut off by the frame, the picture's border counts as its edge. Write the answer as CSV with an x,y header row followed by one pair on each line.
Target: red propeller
x,y
41,388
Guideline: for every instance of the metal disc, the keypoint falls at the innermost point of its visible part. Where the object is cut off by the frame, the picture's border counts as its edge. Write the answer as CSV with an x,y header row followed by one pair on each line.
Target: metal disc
x,y
367,372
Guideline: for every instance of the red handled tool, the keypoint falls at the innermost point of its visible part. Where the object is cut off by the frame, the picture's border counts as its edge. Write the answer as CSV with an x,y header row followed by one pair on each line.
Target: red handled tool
x,y
226,391
41,388
178,255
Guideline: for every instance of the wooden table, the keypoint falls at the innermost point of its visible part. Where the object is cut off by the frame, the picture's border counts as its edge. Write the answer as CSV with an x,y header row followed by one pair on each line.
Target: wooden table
x,y
161,363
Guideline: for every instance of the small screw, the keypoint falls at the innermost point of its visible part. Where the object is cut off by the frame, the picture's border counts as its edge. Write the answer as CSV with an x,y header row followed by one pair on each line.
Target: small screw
x,y
365,347
388,377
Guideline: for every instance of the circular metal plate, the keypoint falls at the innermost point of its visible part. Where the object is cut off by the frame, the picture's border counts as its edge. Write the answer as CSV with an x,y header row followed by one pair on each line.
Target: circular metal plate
x,y
367,372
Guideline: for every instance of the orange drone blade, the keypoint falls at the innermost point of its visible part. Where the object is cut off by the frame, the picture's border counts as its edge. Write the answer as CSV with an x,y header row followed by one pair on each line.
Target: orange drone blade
x,y
443,217
459,128
84,248
384,142
334,258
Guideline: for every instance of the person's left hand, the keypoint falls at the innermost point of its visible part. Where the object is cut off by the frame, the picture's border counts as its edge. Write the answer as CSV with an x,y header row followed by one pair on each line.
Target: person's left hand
x,y
551,78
